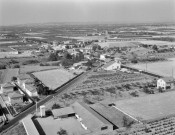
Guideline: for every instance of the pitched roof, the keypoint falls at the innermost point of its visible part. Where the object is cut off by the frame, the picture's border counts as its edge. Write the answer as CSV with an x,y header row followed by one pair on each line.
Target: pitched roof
x,y
109,64
31,88
29,126
62,111
90,118
24,76
109,113
15,95
7,85
168,79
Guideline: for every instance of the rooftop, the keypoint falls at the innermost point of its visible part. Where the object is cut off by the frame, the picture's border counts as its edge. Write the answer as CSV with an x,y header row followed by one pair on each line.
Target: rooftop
x,y
7,85
62,111
90,118
31,88
15,94
29,126
51,126
109,64
168,79
109,113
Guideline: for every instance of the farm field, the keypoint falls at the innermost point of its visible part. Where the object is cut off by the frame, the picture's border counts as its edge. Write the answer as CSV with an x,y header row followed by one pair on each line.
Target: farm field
x,y
7,42
118,44
153,42
105,86
85,37
164,68
53,78
35,68
165,126
150,107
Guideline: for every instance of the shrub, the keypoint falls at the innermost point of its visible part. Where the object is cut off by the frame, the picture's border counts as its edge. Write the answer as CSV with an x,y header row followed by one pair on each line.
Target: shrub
x,y
135,94
16,66
2,67
56,106
62,132
30,62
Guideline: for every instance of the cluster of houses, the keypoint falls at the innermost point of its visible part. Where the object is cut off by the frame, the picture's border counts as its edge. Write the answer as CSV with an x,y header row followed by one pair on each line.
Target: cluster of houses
x,y
15,91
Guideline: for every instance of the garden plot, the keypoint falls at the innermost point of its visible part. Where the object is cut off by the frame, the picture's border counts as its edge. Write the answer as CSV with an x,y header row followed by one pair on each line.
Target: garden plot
x,y
111,79
54,78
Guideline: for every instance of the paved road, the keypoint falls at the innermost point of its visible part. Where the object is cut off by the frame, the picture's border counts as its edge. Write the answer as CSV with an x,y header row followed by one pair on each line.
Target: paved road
x,y
32,108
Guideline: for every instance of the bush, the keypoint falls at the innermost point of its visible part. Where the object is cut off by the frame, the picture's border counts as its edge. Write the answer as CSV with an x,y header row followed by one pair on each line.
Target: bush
x,y
62,132
2,67
44,64
30,62
135,94
16,66
56,106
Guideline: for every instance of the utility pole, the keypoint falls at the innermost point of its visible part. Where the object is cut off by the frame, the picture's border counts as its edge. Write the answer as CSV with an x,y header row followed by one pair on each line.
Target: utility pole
x,y
36,107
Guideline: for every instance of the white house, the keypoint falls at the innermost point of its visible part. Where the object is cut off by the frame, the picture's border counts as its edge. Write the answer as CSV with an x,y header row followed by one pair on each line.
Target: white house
x,y
112,65
165,83
30,90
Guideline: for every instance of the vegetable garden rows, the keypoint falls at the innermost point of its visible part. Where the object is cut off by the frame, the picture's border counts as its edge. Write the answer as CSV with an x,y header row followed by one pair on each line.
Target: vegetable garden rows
x,y
165,126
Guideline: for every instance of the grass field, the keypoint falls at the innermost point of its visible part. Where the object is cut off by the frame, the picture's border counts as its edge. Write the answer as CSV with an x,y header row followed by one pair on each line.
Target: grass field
x,y
150,107
153,42
54,78
118,44
164,68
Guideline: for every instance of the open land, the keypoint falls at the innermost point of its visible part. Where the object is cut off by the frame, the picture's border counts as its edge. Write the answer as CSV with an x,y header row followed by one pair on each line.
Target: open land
x,y
150,107
163,68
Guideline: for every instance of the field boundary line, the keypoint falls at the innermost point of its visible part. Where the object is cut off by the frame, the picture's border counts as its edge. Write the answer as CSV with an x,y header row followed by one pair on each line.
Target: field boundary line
x,y
127,114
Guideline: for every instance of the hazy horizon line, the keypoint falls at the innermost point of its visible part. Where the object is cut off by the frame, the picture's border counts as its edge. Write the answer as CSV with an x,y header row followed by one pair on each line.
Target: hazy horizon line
x,y
90,22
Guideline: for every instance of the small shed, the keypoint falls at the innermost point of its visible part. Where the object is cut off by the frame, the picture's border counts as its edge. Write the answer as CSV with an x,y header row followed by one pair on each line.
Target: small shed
x,y
63,112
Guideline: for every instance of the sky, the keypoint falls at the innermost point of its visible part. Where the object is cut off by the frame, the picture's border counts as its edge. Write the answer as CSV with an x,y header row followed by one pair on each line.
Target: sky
x,y
14,12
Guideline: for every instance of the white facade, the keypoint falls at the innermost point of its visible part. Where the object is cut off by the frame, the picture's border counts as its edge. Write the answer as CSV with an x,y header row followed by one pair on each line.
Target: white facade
x,y
112,65
161,84
115,65
42,111
31,92
102,57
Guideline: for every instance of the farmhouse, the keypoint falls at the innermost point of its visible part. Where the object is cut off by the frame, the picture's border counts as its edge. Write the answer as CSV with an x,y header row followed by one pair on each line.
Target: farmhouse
x,y
112,65
166,83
